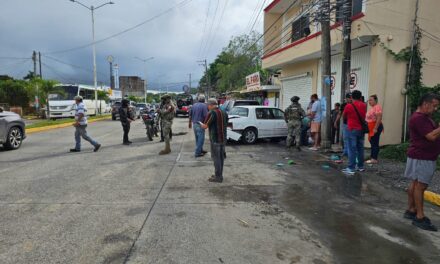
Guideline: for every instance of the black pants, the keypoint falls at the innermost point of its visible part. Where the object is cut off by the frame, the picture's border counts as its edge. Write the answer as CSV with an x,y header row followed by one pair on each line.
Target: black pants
x,y
335,135
374,141
126,128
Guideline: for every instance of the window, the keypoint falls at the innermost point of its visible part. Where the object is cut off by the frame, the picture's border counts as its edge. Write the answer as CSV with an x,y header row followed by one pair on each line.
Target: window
x,y
278,114
300,28
357,7
264,113
239,111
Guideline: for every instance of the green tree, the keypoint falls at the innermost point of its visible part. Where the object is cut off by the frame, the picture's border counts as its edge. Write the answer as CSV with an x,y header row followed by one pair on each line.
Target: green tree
x,y
14,93
103,95
241,57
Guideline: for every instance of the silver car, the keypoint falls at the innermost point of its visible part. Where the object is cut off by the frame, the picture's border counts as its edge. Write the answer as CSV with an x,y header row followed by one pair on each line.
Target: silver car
x,y
12,130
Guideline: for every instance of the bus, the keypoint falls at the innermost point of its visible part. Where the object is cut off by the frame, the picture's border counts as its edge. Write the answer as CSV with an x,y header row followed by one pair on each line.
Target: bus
x,y
62,104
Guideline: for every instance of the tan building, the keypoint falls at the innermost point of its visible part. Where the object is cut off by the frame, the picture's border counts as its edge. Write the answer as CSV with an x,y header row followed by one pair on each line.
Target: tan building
x,y
132,85
292,45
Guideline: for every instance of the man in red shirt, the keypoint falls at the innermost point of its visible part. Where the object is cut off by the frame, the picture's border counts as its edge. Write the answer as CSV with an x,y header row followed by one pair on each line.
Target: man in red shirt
x,y
422,154
355,114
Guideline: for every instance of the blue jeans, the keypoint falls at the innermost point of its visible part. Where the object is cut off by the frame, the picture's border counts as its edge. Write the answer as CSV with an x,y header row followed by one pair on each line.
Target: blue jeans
x,y
80,131
345,139
199,132
355,148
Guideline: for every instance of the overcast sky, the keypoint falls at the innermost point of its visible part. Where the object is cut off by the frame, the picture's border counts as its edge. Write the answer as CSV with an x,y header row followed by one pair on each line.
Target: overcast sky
x,y
176,39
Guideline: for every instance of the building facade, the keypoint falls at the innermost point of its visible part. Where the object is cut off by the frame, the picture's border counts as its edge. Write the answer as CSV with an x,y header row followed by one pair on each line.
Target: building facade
x,y
132,86
292,45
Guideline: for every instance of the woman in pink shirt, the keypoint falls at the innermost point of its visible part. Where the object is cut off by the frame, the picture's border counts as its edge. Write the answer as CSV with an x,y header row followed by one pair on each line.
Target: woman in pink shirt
x,y
374,120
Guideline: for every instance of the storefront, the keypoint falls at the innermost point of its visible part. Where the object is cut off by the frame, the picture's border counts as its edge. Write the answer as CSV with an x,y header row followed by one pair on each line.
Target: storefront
x,y
267,95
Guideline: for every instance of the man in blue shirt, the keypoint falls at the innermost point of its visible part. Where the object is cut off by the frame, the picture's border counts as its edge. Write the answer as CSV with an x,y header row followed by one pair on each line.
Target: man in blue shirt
x,y
81,125
197,115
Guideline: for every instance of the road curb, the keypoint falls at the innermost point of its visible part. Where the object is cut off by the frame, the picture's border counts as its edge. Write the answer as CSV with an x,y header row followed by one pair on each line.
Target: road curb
x,y
46,128
431,197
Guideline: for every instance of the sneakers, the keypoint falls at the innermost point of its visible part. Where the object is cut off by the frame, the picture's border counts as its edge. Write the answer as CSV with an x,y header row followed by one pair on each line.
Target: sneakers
x,y
97,147
75,150
348,171
360,169
214,179
409,215
424,224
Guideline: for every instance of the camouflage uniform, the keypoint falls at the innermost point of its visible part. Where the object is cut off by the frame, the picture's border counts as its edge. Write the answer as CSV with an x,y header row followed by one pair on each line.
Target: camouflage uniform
x,y
166,113
293,115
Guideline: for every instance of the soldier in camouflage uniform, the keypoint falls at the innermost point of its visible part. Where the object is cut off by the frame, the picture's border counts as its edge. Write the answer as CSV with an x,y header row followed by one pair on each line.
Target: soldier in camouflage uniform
x,y
166,112
293,116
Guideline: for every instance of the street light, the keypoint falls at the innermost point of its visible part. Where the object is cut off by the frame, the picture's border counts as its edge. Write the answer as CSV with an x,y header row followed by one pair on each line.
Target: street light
x,y
110,61
92,10
145,68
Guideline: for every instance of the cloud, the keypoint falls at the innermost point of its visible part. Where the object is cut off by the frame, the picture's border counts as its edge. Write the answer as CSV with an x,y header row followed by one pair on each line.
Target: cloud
x,y
174,39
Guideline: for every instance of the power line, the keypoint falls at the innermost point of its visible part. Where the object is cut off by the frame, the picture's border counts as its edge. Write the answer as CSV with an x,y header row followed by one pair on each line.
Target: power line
x,y
182,3
252,16
73,65
273,24
204,28
210,30
258,15
218,26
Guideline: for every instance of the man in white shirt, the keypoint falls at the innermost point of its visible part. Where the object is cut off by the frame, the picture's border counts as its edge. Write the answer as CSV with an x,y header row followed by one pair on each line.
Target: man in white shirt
x,y
81,125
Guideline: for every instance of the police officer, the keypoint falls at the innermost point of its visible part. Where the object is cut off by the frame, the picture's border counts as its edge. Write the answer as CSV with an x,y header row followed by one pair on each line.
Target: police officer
x,y
166,112
293,116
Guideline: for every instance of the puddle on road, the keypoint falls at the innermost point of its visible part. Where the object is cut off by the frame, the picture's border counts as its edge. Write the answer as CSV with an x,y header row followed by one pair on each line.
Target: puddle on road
x,y
336,208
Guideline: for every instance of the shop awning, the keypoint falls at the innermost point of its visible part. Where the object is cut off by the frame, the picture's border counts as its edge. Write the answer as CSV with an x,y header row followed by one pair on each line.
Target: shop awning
x,y
264,88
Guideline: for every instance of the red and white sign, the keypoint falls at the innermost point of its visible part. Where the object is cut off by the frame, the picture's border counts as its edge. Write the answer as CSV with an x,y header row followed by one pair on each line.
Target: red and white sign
x,y
253,82
353,80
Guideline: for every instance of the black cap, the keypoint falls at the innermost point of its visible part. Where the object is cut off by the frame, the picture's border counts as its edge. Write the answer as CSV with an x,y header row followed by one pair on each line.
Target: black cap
x,y
348,95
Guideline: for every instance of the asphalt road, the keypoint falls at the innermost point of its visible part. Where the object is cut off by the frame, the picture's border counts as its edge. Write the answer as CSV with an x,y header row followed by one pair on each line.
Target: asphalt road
x,y
126,204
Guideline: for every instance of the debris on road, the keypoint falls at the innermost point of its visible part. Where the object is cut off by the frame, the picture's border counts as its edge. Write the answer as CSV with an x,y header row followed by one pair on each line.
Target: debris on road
x,y
244,223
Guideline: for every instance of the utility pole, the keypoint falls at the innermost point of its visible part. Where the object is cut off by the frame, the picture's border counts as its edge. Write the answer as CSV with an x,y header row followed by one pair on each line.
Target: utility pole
x,y
326,74
39,62
34,59
190,82
409,75
346,48
95,78
208,81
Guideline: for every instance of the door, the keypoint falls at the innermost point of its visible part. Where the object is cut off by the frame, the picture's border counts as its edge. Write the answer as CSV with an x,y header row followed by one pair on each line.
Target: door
x,y
3,127
300,86
265,122
280,124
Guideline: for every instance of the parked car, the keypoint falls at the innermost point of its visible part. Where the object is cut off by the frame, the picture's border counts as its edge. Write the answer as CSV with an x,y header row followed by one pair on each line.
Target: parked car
x,y
255,122
12,130
228,105
115,110
139,108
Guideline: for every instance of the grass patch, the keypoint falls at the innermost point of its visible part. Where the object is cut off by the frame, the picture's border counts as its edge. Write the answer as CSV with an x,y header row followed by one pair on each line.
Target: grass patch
x,y
45,123
398,153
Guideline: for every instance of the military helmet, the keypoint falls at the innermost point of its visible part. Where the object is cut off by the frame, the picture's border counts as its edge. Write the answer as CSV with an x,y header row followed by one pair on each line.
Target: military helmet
x,y
166,97
294,99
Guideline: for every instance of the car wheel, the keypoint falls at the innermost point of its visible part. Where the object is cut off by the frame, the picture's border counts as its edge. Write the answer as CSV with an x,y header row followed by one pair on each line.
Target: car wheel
x,y
250,136
14,139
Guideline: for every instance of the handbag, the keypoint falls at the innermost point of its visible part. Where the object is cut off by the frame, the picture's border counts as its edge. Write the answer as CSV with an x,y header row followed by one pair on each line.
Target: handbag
x,y
364,124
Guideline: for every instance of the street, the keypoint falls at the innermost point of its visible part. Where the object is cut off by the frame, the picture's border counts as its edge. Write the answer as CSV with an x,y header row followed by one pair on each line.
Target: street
x,y
126,204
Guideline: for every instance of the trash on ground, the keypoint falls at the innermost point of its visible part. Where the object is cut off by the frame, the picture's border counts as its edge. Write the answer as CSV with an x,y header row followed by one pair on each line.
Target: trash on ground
x,y
291,162
335,157
280,164
244,223
326,167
